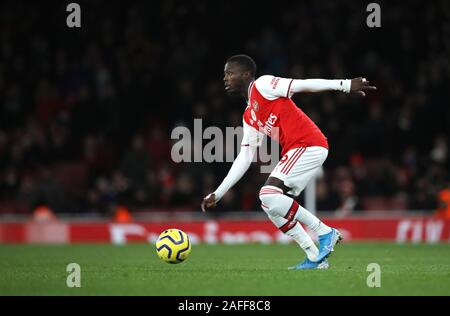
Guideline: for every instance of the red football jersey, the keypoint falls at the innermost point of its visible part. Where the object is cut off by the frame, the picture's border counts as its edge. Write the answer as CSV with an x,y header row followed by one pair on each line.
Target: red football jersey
x,y
271,111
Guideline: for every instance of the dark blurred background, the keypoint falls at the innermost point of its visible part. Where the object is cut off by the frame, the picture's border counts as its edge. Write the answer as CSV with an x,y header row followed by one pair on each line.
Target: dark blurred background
x,y
86,114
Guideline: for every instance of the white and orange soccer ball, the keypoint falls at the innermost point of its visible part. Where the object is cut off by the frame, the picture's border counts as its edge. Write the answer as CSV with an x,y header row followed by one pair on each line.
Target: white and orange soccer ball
x,y
173,246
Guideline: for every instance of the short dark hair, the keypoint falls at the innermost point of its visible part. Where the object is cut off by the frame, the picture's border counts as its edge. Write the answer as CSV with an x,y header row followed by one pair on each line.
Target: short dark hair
x,y
244,61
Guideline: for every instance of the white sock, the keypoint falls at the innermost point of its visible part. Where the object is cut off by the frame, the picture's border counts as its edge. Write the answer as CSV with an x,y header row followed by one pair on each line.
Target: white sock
x,y
304,240
306,217
298,233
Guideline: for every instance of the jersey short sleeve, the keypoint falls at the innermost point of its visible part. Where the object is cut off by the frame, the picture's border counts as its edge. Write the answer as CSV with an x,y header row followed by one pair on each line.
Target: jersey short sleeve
x,y
272,87
251,136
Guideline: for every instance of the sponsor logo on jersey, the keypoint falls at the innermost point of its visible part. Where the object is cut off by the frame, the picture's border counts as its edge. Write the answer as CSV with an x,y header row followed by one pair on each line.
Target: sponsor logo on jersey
x,y
270,123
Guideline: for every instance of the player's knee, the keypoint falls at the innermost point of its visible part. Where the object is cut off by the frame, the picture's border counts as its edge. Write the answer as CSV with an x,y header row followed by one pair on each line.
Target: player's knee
x,y
268,196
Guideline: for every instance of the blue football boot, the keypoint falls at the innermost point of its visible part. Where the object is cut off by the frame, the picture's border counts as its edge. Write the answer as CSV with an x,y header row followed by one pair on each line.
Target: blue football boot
x,y
327,243
308,264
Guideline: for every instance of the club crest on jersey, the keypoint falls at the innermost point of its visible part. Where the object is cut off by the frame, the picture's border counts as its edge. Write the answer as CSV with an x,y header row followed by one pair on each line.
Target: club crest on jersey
x,y
255,105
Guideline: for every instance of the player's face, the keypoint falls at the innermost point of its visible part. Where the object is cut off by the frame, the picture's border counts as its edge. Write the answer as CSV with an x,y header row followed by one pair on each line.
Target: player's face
x,y
233,78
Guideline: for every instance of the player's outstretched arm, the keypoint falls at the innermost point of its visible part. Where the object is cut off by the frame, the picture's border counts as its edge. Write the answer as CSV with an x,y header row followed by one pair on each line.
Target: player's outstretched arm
x,y
275,87
237,170
357,85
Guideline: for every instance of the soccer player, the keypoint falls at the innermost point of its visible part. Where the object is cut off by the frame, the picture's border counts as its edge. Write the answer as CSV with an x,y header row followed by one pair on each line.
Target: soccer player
x,y
270,111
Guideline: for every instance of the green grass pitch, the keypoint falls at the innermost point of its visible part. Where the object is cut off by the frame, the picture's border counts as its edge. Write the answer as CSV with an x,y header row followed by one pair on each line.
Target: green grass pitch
x,y
249,270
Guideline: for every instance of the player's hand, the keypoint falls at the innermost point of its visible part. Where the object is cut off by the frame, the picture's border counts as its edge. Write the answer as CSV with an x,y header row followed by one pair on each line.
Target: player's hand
x,y
208,202
359,85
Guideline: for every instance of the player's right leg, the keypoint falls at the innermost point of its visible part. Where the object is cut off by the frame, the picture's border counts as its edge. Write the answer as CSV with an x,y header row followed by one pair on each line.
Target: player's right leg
x,y
295,172
281,209
283,212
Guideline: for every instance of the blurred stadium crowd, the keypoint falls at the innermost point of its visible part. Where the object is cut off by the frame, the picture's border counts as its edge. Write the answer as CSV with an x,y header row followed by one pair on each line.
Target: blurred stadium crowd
x,y
86,114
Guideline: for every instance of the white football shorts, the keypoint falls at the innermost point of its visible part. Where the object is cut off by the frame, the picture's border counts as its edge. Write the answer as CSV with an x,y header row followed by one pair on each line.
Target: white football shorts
x,y
298,166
